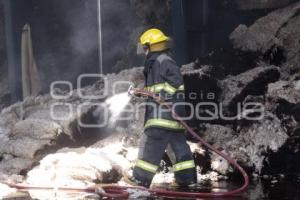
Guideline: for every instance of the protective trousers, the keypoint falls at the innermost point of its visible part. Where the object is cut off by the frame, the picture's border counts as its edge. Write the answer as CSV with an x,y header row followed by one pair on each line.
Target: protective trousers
x,y
152,148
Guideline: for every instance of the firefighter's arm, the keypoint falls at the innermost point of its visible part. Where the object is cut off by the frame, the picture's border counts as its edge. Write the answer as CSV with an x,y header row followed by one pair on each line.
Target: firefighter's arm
x,y
170,72
172,75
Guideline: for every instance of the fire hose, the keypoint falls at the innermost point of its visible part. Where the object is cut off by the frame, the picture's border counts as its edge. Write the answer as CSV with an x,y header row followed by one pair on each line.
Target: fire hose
x,y
120,192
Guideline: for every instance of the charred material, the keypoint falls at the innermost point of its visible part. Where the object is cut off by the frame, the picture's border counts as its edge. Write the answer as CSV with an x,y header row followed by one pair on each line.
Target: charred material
x,y
273,39
252,82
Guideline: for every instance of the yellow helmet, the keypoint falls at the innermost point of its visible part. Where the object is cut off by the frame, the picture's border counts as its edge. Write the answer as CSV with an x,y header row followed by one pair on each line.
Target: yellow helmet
x,y
155,39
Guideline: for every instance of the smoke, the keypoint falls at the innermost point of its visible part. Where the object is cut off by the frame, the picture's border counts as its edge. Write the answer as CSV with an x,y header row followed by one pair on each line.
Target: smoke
x,y
55,24
84,28
120,27
65,37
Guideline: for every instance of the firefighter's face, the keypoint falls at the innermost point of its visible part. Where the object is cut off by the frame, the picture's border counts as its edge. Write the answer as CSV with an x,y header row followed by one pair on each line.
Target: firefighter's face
x,y
142,50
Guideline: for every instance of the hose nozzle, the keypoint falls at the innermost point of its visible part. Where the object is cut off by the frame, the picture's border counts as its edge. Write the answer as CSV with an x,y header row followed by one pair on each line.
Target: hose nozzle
x,y
139,93
131,90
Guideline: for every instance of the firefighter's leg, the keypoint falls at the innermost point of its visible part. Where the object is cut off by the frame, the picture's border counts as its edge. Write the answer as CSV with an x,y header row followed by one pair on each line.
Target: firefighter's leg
x,y
151,150
184,168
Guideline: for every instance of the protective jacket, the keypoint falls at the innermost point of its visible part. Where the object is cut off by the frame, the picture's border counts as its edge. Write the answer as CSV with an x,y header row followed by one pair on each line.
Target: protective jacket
x,y
163,77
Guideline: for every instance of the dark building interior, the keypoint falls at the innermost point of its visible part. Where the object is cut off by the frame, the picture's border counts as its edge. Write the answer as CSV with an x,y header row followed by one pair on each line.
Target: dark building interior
x,y
65,35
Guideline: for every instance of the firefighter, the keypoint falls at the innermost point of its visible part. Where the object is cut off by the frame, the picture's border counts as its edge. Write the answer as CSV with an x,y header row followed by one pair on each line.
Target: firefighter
x,y
162,77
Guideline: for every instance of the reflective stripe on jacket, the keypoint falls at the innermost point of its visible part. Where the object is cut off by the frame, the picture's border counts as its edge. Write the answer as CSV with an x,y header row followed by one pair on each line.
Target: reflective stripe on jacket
x,y
163,77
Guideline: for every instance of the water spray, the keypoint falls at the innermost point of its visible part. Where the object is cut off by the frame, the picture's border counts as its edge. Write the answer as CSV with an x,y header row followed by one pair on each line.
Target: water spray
x,y
116,105
121,192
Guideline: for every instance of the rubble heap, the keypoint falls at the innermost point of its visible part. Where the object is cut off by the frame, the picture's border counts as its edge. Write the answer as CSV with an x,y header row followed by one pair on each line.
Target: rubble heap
x,y
28,131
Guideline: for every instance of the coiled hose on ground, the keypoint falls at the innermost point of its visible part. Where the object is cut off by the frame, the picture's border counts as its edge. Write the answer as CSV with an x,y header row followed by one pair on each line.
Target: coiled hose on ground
x,y
120,192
